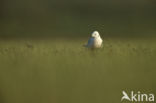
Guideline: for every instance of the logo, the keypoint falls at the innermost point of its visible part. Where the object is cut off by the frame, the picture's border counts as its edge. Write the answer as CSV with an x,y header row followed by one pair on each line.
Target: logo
x,y
137,97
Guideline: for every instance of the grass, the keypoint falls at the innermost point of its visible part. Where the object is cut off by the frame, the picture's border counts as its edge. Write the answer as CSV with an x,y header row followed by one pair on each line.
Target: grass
x,y
62,71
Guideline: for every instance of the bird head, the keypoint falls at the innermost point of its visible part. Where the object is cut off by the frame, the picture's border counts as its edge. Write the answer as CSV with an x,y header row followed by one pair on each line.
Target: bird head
x,y
95,34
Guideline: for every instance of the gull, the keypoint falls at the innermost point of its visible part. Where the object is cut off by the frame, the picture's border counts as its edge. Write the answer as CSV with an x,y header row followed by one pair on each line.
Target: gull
x,y
95,41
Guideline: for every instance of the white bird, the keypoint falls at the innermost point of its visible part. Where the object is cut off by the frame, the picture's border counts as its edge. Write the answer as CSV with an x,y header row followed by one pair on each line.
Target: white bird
x,y
95,41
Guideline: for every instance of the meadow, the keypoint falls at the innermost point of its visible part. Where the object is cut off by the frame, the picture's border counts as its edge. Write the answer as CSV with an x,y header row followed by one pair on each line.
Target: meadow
x,y
63,71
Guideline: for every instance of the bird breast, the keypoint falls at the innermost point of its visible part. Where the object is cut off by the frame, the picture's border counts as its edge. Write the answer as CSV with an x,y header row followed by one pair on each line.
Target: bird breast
x,y
97,42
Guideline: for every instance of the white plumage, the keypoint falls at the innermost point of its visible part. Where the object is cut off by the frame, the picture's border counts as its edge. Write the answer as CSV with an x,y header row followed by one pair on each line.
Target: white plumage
x,y
95,41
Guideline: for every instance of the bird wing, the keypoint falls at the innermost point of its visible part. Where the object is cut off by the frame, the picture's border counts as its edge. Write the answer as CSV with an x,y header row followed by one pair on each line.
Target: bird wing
x,y
90,42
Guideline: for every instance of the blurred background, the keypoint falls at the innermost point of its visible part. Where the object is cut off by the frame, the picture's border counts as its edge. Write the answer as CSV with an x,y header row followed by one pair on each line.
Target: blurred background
x,y
77,18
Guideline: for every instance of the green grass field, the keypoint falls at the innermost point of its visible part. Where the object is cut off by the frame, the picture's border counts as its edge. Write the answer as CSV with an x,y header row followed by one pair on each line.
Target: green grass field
x,y
63,71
